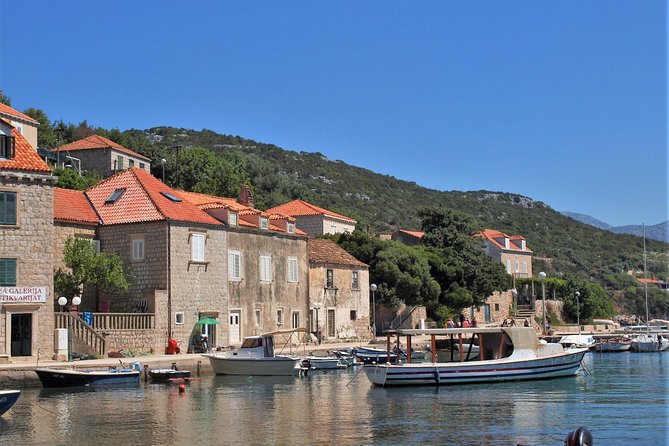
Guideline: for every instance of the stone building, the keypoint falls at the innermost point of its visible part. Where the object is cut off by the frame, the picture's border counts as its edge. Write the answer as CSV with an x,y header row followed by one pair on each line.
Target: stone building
x,y
338,292
314,220
26,248
511,251
411,238
97,153
198,264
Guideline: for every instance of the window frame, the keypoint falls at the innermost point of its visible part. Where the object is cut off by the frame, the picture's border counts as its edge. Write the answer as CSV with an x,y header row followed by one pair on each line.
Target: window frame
x,y
265,270
197,247
355,280
292,277
5,203
329,278
231,263
264,223
6,273
134,243
7,147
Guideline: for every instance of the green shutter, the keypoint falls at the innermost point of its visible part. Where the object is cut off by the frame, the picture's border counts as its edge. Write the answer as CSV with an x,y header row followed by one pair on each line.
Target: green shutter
x,y
7,208
7,272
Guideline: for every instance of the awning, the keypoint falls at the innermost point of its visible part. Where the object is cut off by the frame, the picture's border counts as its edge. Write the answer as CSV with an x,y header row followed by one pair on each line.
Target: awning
x,y
208,321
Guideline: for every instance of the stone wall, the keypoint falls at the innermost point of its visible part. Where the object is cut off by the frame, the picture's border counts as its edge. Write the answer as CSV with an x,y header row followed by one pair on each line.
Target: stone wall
x,y
345,302
31,243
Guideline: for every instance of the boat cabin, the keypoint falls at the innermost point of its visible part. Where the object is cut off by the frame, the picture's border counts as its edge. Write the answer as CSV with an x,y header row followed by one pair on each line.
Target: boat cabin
x,y
257,346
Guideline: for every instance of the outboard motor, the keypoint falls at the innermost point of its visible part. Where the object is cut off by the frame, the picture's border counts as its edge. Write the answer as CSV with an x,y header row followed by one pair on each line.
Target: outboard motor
x,y
579,437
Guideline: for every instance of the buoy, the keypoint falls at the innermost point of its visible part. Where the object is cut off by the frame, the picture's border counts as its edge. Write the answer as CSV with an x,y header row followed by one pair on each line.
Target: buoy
x,y
182,388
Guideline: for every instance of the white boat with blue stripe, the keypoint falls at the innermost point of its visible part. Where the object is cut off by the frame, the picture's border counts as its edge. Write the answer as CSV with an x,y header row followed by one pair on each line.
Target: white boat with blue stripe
x,y
504,354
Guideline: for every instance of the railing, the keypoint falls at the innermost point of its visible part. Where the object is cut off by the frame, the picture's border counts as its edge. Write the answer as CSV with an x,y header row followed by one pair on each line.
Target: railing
x,y
83,332
402,317
124,321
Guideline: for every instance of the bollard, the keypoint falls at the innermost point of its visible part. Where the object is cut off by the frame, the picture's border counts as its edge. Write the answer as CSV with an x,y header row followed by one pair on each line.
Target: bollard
x,y
146,372
199,365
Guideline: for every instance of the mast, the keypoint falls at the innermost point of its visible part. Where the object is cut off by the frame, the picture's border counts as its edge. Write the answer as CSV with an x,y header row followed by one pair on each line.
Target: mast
x,y
645,279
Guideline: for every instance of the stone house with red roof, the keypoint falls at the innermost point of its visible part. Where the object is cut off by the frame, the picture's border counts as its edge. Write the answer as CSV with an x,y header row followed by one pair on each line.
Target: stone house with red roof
x,y
511,251
26,248
407,237
338,292
314,220
190,256
97,153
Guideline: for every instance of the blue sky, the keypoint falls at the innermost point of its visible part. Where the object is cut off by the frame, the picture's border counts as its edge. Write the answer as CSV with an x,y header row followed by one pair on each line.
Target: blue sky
x,y
564,102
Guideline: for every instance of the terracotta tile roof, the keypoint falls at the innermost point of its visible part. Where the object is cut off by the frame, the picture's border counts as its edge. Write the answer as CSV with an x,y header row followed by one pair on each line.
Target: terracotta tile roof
x,y
142,200
322,251
300,207
25,157
95,142
72,206
497,238
6,110
417,234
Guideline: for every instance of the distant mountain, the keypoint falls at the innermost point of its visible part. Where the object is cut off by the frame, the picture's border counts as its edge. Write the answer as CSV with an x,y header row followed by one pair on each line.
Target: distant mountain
x,y
659,231
588,220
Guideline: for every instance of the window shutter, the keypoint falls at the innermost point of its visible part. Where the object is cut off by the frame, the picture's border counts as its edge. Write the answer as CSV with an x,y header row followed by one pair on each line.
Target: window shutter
x,y
12,148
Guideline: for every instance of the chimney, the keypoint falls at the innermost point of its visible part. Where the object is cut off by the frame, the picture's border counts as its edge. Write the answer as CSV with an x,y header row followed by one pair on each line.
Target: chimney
x,y
246,196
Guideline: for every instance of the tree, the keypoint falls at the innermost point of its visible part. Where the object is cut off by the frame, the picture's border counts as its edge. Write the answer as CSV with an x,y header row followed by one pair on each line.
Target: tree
x,y
46,135
86,267
70,179
4,99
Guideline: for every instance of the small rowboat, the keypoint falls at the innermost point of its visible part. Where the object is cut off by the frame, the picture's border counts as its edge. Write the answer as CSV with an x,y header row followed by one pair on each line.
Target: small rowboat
x,y
169,375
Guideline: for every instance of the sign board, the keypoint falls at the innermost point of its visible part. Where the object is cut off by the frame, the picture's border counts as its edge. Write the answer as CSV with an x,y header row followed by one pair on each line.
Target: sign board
x,y
17,295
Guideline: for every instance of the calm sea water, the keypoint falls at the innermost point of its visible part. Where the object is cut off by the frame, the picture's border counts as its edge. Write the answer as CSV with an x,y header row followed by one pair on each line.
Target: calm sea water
x,y
623,401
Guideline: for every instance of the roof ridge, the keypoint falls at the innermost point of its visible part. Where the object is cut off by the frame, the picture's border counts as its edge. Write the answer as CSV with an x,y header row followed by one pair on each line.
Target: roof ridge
x,y
133,170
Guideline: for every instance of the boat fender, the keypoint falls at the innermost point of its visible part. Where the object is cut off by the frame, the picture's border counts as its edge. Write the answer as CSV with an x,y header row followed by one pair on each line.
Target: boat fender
x,y
579,437
437,378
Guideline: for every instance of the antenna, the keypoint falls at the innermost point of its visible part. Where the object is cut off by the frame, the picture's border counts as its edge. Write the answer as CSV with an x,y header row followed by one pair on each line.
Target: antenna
x,y
645,278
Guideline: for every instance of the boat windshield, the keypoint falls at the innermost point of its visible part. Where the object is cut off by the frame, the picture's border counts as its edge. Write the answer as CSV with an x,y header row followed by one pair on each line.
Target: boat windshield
x,y
252,343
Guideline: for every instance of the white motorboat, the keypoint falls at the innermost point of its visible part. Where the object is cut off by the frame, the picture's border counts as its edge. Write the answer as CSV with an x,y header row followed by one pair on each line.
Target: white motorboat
x,y
650,342
579,340
617,344
314,362
505,354
256,357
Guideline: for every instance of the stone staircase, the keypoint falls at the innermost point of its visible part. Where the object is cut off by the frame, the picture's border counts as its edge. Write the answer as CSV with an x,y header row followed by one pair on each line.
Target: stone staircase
x,y
524,312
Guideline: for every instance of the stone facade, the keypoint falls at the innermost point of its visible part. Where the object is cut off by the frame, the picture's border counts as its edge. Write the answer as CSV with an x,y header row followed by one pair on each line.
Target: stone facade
x,y
344,311
106,161
28,328
267,305
316,225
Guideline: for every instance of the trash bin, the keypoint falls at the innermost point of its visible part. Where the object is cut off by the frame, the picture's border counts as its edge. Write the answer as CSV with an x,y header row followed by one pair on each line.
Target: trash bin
x,y
172,347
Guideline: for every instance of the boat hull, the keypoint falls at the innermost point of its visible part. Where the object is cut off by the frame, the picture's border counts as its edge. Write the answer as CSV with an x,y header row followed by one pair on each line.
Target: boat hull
x,y
613,346
75,378
168,375
438,374
7,399
272,366
324,363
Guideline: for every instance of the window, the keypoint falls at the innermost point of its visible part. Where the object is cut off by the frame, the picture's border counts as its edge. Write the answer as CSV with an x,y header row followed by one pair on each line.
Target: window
x,y
234,265
279,316
233,219
131,163
525,267
7,208
7,272
264,223
197,247
496,307
292,269
508,266
296,319
333,229
354,315
171,197
141,165
119,162
179,318
258,317
138,249
7,146
265,268
355,284
329,278
113,198
517,267
291,228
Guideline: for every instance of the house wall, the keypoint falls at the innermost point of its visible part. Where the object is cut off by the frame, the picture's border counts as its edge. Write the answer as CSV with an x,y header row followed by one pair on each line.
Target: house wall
x,y
514,257
342,301
104,160
250,294
316,225
31,242
127,158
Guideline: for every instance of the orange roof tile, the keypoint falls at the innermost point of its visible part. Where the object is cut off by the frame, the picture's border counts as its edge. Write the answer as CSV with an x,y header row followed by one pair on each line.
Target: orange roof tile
x,y
300,207
324,251
94,142
9,111
142,200
417,234
72,206
25,157
205,201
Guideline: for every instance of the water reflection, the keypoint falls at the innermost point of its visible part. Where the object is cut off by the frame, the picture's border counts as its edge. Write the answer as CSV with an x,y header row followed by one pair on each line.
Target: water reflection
x,y
342,408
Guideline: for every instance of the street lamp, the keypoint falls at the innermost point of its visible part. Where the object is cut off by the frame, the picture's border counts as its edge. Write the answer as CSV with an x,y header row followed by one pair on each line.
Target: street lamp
x,y
542,276
373,288
578,315
62,301
163,161
317,306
